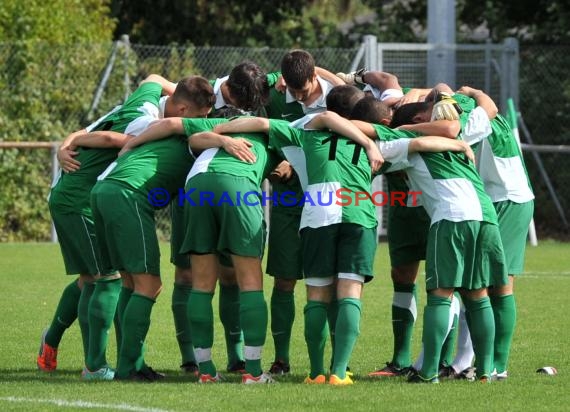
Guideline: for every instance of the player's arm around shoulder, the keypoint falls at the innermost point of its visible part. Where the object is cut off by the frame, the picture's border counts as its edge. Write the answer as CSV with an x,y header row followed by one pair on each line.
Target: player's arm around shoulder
x,y
244,125
344,127
237,147
157,130
436,144
168,87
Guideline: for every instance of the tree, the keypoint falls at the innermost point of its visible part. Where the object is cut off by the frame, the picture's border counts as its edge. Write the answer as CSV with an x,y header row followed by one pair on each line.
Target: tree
x,y
52,54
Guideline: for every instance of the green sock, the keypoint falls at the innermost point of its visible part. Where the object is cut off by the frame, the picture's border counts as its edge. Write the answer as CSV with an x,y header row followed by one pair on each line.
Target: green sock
x,y
135,325
253,319
201,316
332,313
124,297
448,348
316,335
65,314
282,317
505,313
102,308
404,313
83,315
436,323
180,298
229,308
482,328
347,331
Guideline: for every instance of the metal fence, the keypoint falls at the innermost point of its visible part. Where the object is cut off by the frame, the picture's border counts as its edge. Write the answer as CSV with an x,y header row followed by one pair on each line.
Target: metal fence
x,y
72,86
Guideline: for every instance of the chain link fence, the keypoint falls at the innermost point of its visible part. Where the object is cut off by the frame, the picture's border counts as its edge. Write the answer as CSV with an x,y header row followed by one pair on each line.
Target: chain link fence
x,y
49,92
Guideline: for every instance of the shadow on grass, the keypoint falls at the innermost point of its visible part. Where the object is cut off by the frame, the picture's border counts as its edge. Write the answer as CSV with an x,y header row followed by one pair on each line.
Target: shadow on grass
x,y
66,376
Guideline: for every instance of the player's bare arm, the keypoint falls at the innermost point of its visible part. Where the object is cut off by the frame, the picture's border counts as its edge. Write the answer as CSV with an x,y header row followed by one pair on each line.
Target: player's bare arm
x,y
237,147
244,125
156,131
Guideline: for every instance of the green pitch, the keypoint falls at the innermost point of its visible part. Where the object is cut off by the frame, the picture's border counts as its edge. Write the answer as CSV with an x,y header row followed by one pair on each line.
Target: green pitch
x,y
31,281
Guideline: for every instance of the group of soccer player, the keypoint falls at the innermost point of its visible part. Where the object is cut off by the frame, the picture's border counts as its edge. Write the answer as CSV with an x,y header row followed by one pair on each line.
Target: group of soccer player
x,y
310,132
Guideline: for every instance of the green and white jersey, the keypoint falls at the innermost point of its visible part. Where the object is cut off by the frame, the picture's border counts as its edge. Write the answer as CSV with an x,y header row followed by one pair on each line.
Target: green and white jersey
x,y
284,106
332,170
161,164
71,191
499,159
396,181
216,160
451,188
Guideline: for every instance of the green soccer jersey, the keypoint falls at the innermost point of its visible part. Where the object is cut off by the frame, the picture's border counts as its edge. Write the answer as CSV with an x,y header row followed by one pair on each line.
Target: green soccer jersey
x,y
215,160
499,160
160,164
334,172
396,180
71,191
450,186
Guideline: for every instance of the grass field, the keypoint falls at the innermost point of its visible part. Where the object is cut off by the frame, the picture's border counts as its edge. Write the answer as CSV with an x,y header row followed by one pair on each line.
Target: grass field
x,y
31,281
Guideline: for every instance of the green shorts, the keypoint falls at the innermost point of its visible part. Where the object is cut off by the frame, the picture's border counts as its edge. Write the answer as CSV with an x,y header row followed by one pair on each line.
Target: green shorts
x,y
78,243
223,215
284,245
514,220
338,248
466,255
408,229
126,228
177,232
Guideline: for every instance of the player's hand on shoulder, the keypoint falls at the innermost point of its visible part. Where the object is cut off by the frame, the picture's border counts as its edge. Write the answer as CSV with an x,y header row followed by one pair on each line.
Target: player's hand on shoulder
x,y
66,158
240,149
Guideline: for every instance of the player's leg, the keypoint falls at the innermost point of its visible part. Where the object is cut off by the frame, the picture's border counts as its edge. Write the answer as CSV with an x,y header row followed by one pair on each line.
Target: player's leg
x,y
181,289
179,305
229,310
201,313
514,220
407,239
450,253
489,267
76,235
356,249
253,315
132,244
285,266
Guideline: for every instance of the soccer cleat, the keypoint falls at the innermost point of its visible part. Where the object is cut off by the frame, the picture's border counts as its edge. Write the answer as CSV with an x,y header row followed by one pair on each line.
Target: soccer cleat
x,y
207,378
47,355
390,370
318,380
448,372
279,368
190,368
335,380
499,376
248,379
103,374
417,378
237,367
151,374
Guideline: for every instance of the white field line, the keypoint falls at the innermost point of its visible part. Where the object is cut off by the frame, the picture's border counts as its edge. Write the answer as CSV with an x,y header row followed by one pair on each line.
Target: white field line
x,y
83,404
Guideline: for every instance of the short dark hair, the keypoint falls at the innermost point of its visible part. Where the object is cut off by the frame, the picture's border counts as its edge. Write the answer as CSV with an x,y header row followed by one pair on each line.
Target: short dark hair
x,y
371,110
248,86
196,90
341,99
405,114
297,68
